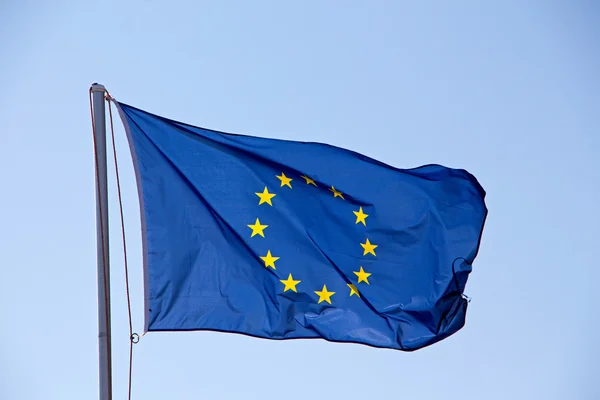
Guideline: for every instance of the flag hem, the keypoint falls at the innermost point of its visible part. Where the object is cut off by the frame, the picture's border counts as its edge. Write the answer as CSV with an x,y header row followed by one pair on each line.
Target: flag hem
x,y
138,179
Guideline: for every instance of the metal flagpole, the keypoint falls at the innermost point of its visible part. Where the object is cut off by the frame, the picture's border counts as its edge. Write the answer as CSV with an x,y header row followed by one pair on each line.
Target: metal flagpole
x,y
104,339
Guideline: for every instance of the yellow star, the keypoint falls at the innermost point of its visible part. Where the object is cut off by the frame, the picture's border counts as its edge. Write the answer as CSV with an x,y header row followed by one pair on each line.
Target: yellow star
x,y
361,216
290,284
265,197
336,193
269,260
257,228
308,180
362,275
353,290
324,295
285,181
369,248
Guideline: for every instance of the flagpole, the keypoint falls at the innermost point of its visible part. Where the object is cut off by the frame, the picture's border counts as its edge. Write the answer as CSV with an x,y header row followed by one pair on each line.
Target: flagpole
x,y
104,338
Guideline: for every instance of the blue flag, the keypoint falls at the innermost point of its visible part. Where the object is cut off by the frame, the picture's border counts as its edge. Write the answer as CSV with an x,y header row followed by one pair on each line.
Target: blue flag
x,y
283,240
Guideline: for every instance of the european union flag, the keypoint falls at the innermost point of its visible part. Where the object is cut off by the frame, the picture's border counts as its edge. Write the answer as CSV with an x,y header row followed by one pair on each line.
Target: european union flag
x,y
283,240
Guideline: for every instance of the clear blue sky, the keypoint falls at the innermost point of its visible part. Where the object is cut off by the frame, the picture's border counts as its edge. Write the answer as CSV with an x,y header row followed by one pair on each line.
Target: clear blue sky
x,y
508,90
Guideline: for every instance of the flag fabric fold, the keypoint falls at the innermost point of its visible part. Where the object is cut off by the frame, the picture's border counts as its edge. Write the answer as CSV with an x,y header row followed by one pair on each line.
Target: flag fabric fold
x,y
280,239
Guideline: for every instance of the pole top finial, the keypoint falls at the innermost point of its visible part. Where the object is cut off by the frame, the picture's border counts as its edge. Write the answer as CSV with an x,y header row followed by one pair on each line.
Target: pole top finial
x,y
96,87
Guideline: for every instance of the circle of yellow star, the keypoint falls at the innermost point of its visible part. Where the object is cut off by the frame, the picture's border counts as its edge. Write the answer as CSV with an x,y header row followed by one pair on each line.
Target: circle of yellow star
x,y
269,260
362,275
361,216
290,283
353,290
324,295
369,248
265,197
336,193
257,228
285,181
308,180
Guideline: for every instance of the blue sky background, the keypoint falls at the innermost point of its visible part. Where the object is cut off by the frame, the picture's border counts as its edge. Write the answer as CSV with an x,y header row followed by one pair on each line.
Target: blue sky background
x,y
508,90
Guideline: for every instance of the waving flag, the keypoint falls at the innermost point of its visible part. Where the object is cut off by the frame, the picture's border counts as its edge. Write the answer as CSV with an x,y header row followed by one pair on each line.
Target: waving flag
x,y
285,240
